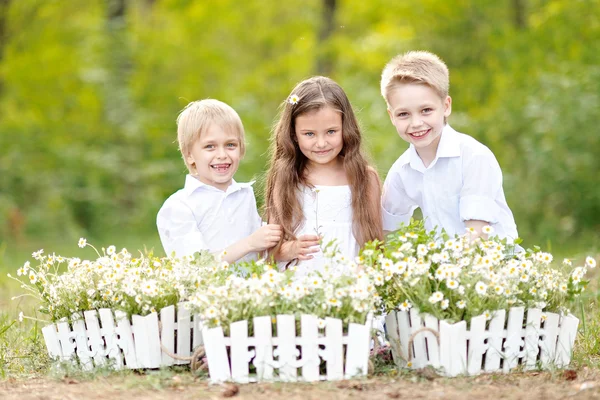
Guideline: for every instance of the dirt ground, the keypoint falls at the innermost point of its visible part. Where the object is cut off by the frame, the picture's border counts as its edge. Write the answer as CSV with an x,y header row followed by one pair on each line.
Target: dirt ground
x,y
581,384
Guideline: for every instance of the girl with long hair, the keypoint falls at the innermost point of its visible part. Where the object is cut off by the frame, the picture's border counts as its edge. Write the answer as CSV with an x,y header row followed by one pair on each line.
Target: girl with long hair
x,y
320,188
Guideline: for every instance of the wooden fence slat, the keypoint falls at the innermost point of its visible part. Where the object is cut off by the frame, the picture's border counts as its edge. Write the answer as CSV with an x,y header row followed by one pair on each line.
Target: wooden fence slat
x,y
141,341
167,334
81,339
286,350
476,345
310,348
334,349
453,348
532,337
263,361
67,340
391,326
216,354
110,337
494,349
357,351
184,333
514,338
404,333
153,340
433,347
51,339
566,340
549,339
125,340
239,351
420,351
96,343
197,331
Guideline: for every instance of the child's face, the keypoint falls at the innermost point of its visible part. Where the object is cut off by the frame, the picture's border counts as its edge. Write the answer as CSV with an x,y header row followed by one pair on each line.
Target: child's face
x,y
319,135
418,113
215,156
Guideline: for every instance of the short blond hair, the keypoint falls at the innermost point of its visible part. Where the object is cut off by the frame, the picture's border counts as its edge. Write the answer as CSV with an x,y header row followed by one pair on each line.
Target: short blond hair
x,y
197,116
416,67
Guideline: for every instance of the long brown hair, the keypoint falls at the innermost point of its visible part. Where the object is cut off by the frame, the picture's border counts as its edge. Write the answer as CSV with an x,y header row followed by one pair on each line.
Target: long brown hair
x,y
287,170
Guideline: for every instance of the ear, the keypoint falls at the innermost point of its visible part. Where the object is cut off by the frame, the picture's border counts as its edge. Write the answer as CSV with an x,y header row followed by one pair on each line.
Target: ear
x,y
447,106
189,159
390,114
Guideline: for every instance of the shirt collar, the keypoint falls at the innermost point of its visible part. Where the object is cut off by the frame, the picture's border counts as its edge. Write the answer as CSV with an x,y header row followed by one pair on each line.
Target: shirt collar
x,y
192,184
448,147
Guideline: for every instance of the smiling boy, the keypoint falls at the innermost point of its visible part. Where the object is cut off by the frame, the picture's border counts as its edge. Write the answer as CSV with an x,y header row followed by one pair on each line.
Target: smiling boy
x,y
454,179
213,212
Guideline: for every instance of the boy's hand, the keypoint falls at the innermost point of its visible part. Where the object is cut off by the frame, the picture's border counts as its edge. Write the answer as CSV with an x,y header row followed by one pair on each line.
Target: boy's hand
x,y
265,237
301,248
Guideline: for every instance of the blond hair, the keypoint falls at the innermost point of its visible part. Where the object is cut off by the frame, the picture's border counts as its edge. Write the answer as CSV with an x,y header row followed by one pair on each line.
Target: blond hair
x,y
416,67
287,170
197,116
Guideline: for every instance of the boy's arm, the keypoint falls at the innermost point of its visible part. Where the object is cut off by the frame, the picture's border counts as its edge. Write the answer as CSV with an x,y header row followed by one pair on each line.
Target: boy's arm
x,y
178,229
301,248
396,206
477,227
482,183
262,239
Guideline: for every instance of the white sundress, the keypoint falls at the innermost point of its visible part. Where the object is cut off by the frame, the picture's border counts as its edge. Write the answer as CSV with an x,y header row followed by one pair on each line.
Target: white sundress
x,y
327,211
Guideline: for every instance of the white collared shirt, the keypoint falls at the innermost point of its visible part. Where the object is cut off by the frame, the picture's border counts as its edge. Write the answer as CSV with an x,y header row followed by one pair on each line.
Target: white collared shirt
x,y
464,182
202,217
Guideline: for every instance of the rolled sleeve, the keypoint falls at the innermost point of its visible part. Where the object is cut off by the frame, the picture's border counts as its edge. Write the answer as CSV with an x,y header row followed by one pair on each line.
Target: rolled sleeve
x,y
392,222
480,208
178,229
481,185
396,206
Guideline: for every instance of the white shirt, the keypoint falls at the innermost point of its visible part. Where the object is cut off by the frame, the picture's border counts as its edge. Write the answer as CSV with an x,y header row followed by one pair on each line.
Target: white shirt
x,y
464,182
327,211
202,217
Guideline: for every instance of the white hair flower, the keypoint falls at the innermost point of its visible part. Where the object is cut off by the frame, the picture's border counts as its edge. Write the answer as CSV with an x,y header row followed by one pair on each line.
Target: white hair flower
x,y
294,99
82,242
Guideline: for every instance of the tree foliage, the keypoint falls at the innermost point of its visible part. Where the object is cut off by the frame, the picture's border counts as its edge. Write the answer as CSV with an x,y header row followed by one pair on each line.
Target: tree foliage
x,y
90,92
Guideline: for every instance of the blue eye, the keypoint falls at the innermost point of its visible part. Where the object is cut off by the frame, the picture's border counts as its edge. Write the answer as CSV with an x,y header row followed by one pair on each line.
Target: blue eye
x,y
427,110
331,131
402,114
309,134
209,146
232,145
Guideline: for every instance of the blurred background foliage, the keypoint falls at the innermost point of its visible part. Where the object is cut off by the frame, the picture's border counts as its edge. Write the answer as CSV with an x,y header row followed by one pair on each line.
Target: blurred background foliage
x,y
90,90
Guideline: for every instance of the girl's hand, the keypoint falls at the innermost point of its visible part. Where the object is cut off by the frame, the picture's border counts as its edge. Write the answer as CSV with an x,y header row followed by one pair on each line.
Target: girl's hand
x,y
265,237
300,249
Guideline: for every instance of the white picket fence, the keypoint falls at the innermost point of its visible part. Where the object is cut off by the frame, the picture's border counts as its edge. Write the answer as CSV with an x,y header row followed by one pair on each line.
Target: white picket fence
x,y
107,338
279,357
500,344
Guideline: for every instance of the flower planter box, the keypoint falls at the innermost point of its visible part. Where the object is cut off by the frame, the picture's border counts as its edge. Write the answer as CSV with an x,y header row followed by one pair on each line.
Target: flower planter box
x,y
280,357
502,344
106,338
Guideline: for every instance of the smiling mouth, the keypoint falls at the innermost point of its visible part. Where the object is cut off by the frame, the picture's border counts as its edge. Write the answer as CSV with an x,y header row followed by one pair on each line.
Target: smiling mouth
x,y
220,167
419,134
322,153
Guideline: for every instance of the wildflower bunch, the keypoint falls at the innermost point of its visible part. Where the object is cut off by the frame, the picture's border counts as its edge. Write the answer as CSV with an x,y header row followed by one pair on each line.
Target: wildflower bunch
x,y
116,279
219,292
340,291
455,278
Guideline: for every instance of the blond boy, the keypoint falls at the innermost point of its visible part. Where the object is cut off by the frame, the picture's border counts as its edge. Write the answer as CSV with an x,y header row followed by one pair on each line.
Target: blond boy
x,y
454,179
213,212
